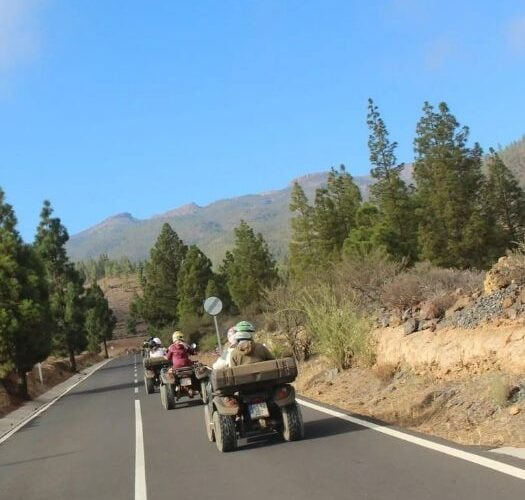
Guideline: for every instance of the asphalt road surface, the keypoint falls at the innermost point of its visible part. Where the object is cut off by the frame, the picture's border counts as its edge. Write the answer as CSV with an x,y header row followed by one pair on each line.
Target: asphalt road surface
x,y
106,439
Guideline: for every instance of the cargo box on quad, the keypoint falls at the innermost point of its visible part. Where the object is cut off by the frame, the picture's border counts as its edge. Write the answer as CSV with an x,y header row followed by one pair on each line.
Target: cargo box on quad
x,y
254,376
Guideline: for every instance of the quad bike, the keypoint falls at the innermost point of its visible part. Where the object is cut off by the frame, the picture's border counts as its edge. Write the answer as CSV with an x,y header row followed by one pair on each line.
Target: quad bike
x,y
152,369
188,381
251,400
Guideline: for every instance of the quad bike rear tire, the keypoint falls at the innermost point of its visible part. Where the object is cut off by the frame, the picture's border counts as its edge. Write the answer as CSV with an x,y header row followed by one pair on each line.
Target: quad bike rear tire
x,y
210,433
204,393
167,397
293,427
149,384
225,432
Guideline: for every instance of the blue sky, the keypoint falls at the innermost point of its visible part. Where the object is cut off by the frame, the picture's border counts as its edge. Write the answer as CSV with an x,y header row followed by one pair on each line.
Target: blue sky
x,y
109,106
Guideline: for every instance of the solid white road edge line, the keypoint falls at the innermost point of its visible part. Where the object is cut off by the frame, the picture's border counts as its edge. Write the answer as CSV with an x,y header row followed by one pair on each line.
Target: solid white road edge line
x,y
140,464
43,408
510,470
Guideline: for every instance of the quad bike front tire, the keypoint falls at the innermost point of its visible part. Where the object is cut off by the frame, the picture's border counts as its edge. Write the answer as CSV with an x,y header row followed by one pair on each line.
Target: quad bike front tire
x,y
293,427
210,433
225,432
149,384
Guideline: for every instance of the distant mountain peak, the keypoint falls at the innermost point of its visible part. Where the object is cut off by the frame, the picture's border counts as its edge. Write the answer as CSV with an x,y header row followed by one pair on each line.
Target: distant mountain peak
x,y
187,209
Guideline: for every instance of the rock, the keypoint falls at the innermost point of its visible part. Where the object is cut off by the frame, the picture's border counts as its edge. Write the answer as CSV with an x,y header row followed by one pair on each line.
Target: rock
x,y
384,322
476,295
406,315
411,326
429,310
428,325
507,271
459,291
461,303
507,302
521,296
514,410
512,313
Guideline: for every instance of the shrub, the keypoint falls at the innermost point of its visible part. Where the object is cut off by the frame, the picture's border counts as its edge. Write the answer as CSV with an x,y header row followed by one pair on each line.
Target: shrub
x,y
402,293
284,308
341,333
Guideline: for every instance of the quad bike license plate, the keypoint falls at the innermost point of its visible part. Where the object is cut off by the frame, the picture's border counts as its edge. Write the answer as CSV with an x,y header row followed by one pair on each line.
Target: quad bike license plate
x,y
185,381
258,410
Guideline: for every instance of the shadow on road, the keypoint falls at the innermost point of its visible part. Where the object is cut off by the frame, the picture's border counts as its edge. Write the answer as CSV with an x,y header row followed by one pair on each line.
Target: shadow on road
x,y
115,367
325,427
98,390
313,429
36,459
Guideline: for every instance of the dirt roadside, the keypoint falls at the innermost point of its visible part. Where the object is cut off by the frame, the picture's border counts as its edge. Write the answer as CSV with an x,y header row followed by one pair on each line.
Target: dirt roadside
x,y
467,386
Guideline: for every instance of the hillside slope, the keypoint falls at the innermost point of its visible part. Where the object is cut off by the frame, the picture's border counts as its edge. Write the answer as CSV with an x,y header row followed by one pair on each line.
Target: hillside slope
x,y
210,227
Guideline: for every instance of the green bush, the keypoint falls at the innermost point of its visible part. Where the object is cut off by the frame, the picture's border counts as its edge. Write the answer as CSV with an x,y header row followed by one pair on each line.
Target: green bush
x,y
340,331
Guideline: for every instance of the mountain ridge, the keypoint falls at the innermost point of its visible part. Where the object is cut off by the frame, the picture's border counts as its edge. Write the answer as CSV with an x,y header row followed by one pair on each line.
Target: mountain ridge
x,y
211,226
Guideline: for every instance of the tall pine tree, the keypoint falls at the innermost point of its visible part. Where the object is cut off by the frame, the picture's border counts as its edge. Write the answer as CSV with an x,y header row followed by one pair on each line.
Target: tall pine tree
x,y
250,267
66,286
453,229
194,276
302,243
25,324
397,228
334,214
160,298
99,319
506,203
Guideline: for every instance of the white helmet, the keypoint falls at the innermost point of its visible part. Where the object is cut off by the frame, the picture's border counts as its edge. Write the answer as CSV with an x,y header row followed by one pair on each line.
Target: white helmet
x,y
157,341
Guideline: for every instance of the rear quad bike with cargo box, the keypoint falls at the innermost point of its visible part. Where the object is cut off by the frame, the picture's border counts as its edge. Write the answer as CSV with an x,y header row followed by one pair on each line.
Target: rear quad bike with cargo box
x,y
252,400
188,381
152,369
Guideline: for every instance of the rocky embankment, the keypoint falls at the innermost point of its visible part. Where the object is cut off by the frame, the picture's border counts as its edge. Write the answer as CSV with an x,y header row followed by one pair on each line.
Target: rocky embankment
x,y
452,366
502,301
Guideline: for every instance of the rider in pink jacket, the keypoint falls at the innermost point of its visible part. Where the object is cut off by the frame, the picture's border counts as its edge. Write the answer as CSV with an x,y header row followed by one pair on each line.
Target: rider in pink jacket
x,y
179,352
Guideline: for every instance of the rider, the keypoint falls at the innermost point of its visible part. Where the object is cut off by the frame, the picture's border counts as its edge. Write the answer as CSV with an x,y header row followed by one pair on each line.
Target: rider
x,y
179,352
247,351
224,360
157,351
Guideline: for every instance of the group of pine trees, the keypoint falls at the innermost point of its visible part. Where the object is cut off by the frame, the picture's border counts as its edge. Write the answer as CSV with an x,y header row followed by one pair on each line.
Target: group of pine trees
x,y
93,270
44,306
464,209
177,279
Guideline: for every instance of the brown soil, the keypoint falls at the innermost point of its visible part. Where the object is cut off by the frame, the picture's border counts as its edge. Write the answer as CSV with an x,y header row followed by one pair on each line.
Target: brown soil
x,y
120,293
468,409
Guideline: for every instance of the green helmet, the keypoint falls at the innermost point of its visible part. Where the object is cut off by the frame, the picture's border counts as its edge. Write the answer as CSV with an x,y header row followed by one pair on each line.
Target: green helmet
x,y
244,326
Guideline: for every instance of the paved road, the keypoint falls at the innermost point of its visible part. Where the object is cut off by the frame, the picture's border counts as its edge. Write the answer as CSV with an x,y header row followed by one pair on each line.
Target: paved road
x,y
84,446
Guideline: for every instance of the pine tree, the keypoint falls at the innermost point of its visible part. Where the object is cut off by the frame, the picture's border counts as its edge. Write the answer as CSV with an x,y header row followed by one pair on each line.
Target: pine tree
x,y
506,203
334,214
194,275
66,286
302,243
368,234
99,320
453,230
158,304
398,222
25,324
250,267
